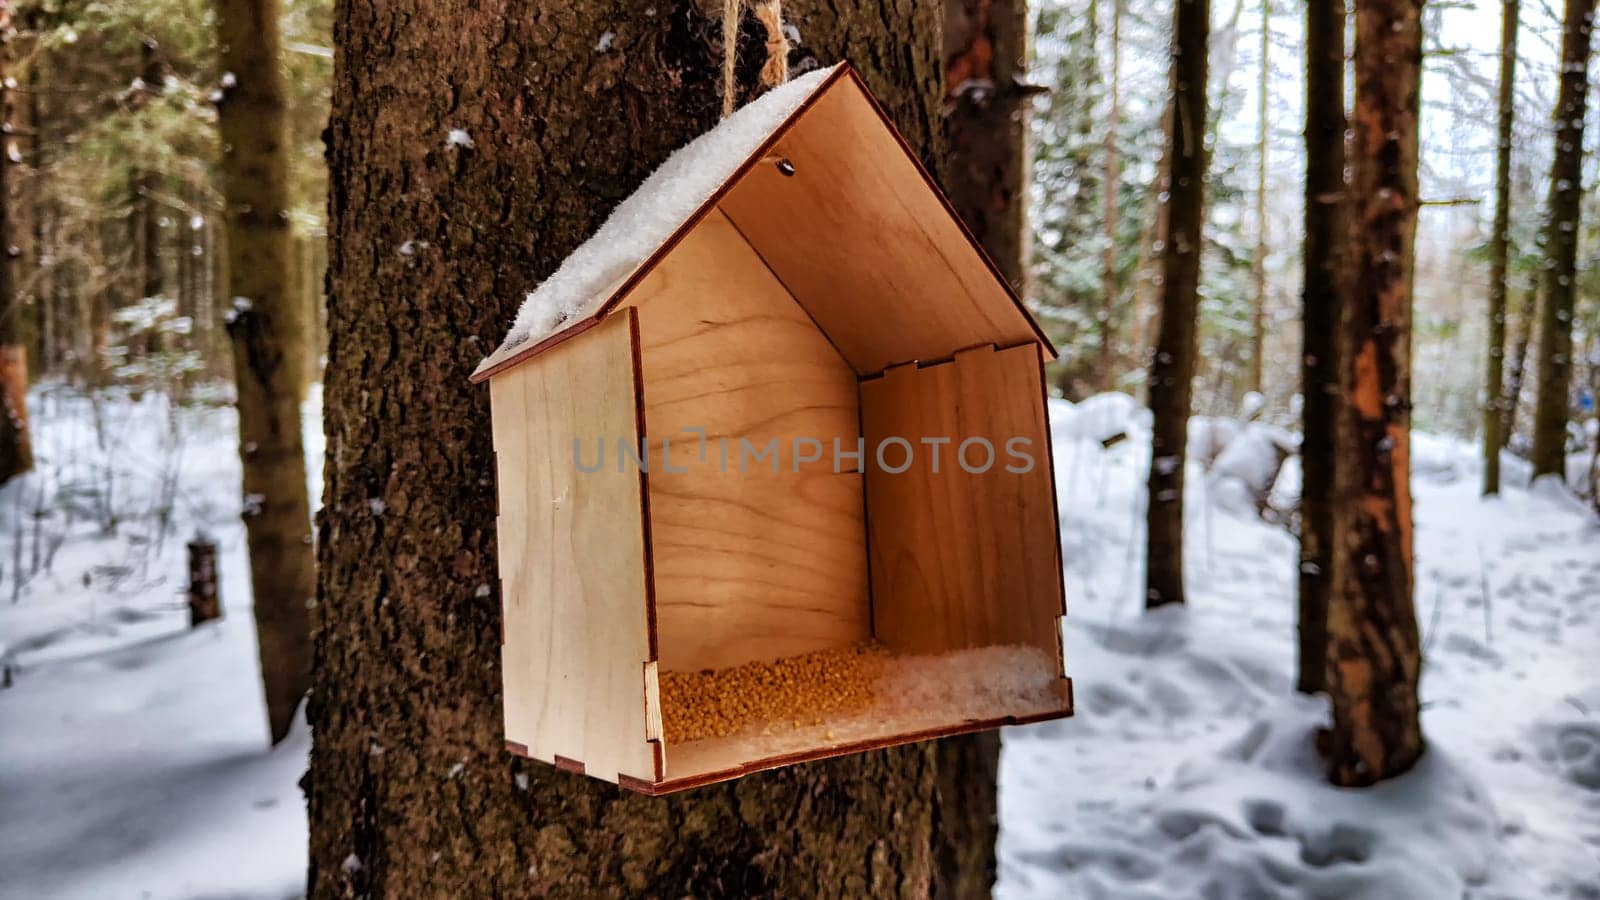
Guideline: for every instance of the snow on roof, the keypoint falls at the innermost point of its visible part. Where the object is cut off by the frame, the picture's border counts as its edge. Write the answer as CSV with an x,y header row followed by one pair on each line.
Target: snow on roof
x,y
650,216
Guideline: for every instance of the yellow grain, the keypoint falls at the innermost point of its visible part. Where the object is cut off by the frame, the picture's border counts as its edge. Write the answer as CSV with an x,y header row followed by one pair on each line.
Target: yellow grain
x,y
722,702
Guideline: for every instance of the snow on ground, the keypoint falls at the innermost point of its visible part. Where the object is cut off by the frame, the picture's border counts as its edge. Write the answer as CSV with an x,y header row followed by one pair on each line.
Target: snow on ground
x,y
133,758
133,750
1189,770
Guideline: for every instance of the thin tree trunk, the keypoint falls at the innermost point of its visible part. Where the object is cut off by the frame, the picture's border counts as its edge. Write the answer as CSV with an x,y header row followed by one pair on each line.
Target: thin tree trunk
x,y
16,445
1325,273
147,208
1109,293
183,244
1173,368
986,103
266,327
1374,653
410,789
1561,245
43,291
1494,410
1258,261
1516,372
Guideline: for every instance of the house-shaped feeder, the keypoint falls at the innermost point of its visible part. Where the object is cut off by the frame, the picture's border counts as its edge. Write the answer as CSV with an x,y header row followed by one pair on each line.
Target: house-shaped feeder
x,y
773,466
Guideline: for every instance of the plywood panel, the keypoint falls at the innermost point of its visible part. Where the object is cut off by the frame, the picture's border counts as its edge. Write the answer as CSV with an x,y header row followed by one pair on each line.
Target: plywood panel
x,y
867,245
749,563
961,559
573,557
719,759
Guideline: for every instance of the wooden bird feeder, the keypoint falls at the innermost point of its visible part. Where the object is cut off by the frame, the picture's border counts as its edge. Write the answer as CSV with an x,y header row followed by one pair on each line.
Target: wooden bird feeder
x,y
788,291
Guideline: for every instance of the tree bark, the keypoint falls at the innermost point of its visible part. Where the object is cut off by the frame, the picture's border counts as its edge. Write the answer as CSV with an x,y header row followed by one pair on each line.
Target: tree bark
x,y
1499,250
1374,653
1258,260
183,244
1172,370
1517,371
16,444
1322,298
1561,245
267,331
205,602
146,185
410,789
1110,292
986,107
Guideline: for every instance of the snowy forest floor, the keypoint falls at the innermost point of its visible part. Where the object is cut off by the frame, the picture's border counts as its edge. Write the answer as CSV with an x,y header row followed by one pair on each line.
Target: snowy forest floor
x,y
132,749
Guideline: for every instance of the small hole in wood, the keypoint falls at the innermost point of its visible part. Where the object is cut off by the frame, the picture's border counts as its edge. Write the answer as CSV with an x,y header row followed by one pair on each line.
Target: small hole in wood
x,y
786,167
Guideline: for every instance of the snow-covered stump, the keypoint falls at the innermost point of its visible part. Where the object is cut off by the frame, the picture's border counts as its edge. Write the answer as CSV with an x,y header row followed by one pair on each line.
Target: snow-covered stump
x,y
205,602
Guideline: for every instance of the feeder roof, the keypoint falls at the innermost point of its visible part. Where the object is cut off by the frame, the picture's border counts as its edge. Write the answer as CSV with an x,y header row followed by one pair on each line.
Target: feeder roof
x,y
847,263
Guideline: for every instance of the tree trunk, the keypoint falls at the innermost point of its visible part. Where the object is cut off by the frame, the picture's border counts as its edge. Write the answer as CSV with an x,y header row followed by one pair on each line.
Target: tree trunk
x,y
1258,260
1499,250
1374,654
1172,370
1110,295
1325,274
410,788
266,327
183,241
1517,370
147,209
1561,245
43,292
205,602
986,106
16,445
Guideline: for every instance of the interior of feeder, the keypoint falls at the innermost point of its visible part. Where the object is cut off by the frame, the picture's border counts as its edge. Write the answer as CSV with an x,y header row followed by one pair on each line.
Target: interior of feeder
x,y
850,493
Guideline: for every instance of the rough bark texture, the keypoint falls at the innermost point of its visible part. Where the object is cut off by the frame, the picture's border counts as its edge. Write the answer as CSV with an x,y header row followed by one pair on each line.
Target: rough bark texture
x,y
16,445
1561,245
986,106
411,791
1177,345
267,330
1499,251
1322,295
1374,655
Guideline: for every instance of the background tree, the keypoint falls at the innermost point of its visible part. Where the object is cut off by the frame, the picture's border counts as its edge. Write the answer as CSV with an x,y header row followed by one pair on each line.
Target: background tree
x,y
267,327
1494,405
16,446
985,100
1173,368
1110,280
1258,259
1325,234
410,788
1561,245
1374,652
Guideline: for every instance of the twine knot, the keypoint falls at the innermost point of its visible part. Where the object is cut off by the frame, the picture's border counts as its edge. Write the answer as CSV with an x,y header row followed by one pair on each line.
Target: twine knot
x,y
775,70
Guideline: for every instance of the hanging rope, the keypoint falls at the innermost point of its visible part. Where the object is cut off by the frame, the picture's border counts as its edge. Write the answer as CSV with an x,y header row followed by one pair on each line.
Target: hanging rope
x,y
775,70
